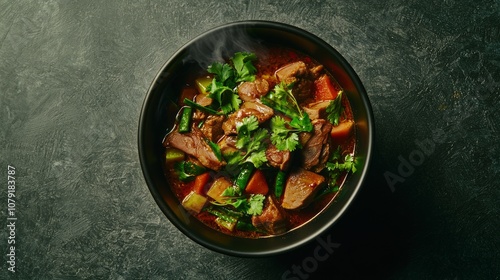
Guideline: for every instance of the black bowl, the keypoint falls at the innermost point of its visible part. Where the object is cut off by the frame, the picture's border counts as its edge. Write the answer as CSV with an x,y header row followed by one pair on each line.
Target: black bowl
x,y
222,42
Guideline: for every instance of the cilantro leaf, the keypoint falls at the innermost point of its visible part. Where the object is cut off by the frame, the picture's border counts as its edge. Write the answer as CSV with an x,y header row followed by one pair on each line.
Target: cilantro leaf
x,y
252,205
255,204
282,99
215,149
224,73
226,78
349,164
251,141
287,137
187,170
336,167
224,95
231,192
245,70
302,124
282,137
258,158
335,109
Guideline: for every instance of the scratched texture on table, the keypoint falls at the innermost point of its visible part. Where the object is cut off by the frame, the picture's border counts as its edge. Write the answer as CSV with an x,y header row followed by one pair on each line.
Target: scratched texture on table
x,y
73,75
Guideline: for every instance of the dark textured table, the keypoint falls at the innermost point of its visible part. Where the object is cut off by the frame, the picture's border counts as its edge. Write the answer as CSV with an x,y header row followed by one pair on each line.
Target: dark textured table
x,y
73,76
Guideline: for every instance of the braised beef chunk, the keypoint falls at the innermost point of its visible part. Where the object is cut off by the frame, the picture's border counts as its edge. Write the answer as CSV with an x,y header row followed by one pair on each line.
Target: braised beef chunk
x,y
203,100
212,127
301,187
227,144
272,219
316,110
301,77
259,110
316,150
250,91
316,71
278,159
194,144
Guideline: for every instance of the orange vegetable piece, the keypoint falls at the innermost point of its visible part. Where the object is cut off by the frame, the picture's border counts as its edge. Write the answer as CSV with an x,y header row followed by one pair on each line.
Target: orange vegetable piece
x,y
200,182
326,89
257,184
342,131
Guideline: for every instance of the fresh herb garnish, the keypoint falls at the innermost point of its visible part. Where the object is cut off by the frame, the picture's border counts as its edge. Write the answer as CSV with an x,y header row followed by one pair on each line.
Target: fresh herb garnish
x,y
335,109
226,78
251,205
255,204
215,149
245,71
250,141
349,164
225,96
282,99
336,167
283,137
187,170
285,134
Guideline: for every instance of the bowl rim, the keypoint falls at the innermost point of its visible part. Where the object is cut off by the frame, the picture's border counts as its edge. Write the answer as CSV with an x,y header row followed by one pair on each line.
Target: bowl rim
x,y
280,27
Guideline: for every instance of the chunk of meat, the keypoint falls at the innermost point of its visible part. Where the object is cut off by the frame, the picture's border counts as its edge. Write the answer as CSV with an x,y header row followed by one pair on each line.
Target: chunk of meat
x,y
316,150
316,110
272,219
193,143
203,100
262,112
250,91
301,187
278,159
227,144
259,110
301,77
291,72
212,127
316,71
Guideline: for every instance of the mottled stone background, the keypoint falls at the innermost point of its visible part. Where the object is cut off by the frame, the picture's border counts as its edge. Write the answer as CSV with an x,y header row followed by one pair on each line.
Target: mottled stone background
x,y
73,75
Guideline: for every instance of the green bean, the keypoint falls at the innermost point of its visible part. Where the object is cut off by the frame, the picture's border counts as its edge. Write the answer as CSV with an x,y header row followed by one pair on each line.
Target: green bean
x,y
185,121
244,176
280,183
200,107
244,225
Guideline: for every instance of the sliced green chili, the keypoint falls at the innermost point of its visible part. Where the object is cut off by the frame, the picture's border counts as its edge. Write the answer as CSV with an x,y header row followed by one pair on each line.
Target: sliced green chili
x,y
185,121
280,183
244,176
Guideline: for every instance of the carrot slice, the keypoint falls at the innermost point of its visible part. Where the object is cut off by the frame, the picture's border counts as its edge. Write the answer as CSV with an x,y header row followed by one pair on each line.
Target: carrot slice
x,y
257,184
325,88
200,182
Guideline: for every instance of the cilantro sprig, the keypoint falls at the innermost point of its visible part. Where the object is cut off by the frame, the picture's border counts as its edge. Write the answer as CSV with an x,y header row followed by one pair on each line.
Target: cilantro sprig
x,y
187,170
336,165
282,99
251,142
335,109
285,135
226,78
245,70
249,205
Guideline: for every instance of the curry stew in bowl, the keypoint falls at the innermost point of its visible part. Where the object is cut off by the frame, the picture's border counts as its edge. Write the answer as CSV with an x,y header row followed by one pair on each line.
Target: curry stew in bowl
x,y
261,143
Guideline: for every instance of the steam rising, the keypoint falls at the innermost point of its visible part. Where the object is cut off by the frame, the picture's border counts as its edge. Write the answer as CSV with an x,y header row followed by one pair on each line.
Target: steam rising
x,y
221,44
